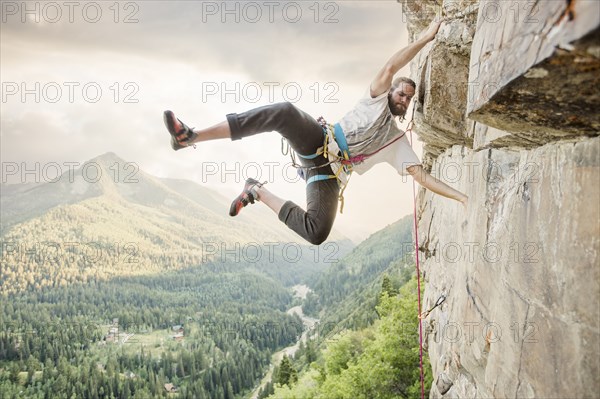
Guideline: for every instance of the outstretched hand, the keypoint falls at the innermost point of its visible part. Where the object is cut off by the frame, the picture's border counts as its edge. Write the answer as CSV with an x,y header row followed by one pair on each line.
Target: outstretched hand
x,y
433,28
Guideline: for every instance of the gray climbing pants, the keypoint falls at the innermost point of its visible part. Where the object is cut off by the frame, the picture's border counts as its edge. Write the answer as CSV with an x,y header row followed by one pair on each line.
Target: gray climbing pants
x,y
305,136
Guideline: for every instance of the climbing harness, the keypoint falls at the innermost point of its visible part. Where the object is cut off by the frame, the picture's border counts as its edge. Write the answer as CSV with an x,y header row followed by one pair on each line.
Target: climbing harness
x,y
440,300
343,158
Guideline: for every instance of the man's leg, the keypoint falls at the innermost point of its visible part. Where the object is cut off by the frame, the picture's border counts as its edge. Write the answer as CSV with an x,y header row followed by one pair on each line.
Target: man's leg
x,y
218,131
271,200
305,136
314,224
300,129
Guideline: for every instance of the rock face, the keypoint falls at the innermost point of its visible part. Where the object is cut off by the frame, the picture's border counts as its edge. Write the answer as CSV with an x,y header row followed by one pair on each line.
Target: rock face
x,y
507,108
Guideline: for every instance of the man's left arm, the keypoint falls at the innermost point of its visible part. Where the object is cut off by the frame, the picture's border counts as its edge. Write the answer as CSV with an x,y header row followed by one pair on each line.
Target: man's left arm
x,y
436,185
383,80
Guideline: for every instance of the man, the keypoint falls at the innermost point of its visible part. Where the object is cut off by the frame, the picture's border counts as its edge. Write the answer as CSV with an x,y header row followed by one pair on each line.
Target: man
x,y
370,130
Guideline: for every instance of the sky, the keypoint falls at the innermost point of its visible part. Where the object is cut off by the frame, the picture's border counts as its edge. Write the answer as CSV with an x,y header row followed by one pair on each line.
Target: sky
x,y
80,79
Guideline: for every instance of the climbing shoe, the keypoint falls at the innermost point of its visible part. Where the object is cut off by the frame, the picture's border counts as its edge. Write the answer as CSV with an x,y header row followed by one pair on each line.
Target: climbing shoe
x,y
180,132
248,196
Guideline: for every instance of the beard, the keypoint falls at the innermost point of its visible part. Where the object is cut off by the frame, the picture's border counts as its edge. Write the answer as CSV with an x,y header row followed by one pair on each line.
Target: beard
x,y
395,109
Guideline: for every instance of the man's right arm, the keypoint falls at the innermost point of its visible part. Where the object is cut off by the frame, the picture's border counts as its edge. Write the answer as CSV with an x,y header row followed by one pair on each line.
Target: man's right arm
x,y
383,80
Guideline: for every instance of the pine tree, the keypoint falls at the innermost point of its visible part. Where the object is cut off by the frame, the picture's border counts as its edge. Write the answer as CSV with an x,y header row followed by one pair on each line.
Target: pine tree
x,y
180,369
269,390
387,286
229,391
287,373
311,351
126,389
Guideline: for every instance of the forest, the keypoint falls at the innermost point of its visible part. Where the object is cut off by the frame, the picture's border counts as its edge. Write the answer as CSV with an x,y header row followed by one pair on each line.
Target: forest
x,y
377,362
210,331
54,342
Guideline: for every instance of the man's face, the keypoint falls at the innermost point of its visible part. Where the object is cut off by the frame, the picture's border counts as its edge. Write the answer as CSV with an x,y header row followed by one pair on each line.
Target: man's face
x,y
399,99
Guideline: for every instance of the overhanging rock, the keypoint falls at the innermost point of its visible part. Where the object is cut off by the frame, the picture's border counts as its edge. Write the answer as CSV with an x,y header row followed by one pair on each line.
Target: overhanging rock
x,y
536,98
557,99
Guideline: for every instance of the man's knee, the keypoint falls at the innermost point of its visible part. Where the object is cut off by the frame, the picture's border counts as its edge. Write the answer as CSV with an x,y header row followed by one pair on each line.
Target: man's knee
x,y
318,239
318,234
286,109
281,116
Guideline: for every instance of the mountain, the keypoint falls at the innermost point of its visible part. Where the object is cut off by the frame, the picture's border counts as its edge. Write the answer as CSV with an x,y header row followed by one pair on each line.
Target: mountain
x,y
108,246
345,295
108,218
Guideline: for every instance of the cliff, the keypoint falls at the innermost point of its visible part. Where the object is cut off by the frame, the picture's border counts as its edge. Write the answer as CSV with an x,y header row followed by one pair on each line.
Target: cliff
x,y
507,108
